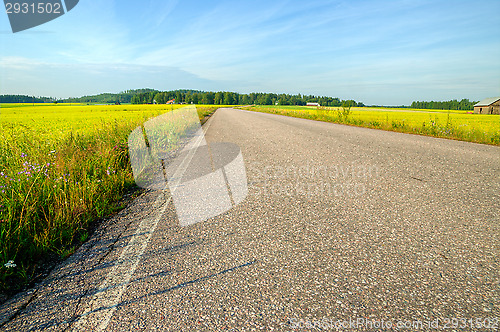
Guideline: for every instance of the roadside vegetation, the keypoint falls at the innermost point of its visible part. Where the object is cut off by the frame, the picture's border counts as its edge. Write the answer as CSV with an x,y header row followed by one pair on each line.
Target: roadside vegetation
x,y
453,124
61,169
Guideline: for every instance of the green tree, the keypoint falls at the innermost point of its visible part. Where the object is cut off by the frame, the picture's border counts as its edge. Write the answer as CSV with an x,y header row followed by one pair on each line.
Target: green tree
x,y
219,98
208,98
229,98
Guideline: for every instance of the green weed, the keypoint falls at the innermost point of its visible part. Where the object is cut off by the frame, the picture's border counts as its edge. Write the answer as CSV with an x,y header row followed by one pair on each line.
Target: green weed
x,y
61,169
446,124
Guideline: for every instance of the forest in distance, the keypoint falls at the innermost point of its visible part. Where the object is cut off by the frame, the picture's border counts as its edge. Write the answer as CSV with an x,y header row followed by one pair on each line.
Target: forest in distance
x,y
151,96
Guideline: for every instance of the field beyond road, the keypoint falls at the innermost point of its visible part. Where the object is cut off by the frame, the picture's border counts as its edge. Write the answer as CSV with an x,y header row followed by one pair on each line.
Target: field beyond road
x,y
458,125
62,167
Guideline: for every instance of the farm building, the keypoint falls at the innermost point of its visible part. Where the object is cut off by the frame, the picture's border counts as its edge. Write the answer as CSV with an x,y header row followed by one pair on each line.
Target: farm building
x,y
488,106
313,104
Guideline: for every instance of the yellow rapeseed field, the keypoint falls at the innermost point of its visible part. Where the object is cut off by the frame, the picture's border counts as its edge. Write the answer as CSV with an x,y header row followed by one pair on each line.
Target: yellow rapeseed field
x,y
459,125
62,167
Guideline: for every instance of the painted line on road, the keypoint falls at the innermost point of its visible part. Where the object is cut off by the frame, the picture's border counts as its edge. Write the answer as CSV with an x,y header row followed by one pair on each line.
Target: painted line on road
x,y
103,304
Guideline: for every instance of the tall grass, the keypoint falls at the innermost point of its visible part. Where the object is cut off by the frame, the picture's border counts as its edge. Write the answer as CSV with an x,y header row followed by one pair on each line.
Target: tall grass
x,y
483,129
54,184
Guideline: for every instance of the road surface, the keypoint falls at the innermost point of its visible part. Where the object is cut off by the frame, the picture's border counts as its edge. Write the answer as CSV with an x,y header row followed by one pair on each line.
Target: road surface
x,y
342,227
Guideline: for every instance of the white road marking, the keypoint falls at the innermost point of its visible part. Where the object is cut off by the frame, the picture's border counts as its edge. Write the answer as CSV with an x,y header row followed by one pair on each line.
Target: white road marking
x,y
103,304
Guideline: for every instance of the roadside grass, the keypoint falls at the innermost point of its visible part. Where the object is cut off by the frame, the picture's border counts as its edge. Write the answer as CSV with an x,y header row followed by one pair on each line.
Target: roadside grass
x,y
61,169
458,125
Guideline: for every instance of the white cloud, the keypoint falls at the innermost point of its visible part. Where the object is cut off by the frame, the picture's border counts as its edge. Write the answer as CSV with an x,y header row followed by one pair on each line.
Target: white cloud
x,y
24,76
401,49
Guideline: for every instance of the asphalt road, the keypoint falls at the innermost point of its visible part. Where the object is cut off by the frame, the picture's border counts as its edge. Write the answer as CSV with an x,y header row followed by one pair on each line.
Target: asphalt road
x,y
340,224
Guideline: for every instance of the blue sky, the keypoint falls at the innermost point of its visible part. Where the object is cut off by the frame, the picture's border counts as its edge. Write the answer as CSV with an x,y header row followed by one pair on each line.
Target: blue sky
x,y
377,52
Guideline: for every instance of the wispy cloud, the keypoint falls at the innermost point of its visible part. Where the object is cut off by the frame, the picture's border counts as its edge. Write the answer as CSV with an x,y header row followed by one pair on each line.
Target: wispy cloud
x,y
43,78
377,51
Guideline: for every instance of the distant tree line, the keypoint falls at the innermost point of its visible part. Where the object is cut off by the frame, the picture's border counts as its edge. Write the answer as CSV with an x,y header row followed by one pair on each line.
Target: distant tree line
x,y
454,104
25,99
149,96
233,98
124,97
